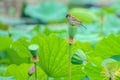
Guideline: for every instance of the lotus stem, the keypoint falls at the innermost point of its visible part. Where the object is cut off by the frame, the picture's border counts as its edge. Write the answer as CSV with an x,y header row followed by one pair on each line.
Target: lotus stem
x,y
71,33
69,63
35,70
101,28
28,77
101,22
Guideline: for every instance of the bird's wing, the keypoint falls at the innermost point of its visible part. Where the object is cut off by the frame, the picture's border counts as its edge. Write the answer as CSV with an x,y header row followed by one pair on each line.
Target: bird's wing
x,y
75,19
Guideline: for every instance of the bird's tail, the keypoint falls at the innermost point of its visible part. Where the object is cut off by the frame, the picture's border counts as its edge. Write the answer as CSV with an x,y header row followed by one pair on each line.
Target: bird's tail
x,y
83,26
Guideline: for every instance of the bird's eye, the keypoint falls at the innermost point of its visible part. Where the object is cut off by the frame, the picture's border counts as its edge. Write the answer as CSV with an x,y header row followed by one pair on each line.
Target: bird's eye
x,y
67,15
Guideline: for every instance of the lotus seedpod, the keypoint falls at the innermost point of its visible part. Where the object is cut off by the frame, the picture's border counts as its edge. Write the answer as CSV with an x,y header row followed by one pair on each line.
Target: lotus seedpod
x,y
33,48
72,31
78,57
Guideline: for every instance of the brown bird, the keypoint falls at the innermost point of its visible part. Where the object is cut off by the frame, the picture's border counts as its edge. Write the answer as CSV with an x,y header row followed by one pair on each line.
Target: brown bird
x,y
74,21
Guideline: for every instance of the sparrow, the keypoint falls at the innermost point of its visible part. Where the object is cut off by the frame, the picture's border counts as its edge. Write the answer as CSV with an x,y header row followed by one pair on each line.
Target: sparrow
x,y
74,21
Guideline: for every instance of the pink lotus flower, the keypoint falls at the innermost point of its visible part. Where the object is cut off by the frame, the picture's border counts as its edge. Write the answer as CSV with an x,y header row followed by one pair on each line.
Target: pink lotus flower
x,y
31,70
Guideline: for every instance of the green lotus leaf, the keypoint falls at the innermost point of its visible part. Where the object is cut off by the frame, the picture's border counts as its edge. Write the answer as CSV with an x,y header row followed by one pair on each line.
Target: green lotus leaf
x,y
5,43
83,15
14,58
109,10
54,55
116,57
21,47
92,71
108,47
6,78
21,72
107,61
47,12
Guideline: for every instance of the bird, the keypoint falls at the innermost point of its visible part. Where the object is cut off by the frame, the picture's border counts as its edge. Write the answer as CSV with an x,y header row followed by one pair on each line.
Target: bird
x,y
72,20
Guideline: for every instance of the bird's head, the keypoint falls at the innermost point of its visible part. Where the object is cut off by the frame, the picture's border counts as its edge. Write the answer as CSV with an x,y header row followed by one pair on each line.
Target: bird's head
x,y
68,15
